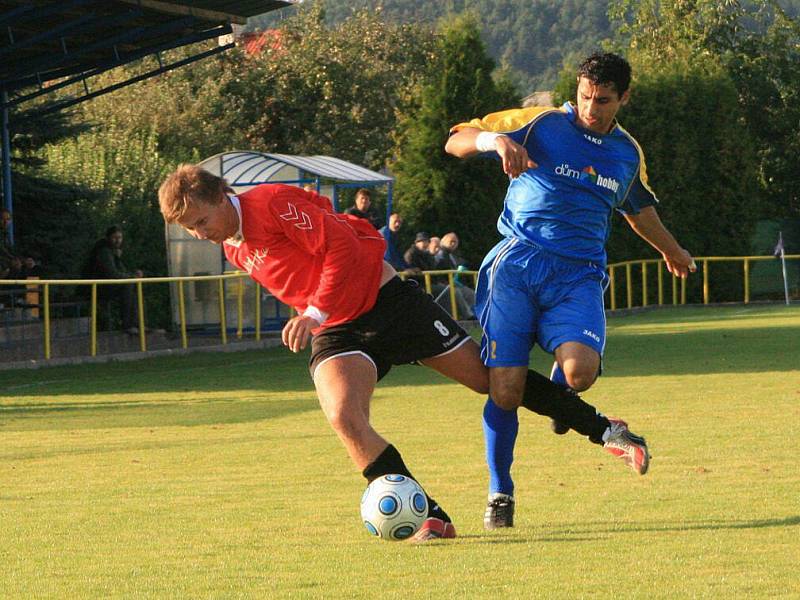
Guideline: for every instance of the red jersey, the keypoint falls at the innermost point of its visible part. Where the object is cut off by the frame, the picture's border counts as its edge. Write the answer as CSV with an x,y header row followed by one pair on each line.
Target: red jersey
x,y
305,254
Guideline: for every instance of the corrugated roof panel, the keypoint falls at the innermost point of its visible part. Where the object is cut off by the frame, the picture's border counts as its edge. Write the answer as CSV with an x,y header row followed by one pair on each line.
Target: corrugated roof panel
x,y
246,168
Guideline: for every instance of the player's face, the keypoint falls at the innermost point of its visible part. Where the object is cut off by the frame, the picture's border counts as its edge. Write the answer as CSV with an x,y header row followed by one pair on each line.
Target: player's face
x,y
212,222
598,105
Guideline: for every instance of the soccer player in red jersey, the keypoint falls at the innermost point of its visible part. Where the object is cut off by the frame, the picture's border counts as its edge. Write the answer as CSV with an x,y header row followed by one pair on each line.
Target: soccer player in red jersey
x,y
330,268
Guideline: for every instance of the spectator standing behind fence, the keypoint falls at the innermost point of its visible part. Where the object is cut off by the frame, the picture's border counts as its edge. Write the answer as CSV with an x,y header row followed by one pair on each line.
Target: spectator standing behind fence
x,y
363,207
105,262
392,254
13,295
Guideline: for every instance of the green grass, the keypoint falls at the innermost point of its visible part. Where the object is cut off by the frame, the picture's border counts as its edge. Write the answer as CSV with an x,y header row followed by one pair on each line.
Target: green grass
x,y
216,476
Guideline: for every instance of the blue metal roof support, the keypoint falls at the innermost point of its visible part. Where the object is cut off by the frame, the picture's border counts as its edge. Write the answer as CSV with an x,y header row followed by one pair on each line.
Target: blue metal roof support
x,y
196,37
389,201
49,62
67,103
7,167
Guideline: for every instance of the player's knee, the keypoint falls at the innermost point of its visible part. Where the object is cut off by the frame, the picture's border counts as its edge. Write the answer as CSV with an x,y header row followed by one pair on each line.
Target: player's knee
x,y
580,379
343,421
506,398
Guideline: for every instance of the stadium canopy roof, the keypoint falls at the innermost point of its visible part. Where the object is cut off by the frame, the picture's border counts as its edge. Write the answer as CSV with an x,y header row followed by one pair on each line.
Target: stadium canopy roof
x,y
49,45
245,168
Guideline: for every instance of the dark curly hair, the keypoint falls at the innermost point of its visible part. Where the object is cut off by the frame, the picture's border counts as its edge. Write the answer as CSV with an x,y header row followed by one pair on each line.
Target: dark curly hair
x,y
607,68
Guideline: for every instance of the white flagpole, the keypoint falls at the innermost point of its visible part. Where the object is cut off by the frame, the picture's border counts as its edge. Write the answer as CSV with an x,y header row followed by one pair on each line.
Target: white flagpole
x,y
783,268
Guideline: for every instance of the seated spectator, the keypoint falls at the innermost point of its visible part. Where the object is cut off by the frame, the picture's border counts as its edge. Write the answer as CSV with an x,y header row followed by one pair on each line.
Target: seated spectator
x,y
13,295
434,246
15,270
105,262
417,255
446,257
392,254
363,207
31,267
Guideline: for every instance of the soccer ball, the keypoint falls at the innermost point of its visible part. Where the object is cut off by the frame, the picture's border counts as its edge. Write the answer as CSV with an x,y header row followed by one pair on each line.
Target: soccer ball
x,y
393,507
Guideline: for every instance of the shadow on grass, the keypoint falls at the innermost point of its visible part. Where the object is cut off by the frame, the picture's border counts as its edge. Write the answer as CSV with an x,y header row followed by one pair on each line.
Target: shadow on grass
x,y
587,532
133,413
563,534
636,352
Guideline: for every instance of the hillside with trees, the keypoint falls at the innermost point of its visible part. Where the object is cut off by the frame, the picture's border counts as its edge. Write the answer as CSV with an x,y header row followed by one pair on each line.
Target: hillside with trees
x,y
531,40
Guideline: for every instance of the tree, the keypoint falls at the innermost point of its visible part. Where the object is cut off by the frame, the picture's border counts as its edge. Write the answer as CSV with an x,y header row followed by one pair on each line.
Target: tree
x,y
758,44
49,215
437,192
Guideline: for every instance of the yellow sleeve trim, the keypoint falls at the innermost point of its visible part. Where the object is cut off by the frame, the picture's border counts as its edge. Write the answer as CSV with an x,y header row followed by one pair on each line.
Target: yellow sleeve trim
x,y
507,120
642,165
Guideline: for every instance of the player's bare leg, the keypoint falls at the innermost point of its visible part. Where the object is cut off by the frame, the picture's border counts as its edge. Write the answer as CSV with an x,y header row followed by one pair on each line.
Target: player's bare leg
x,y
344,387
463,365
576,367
580,364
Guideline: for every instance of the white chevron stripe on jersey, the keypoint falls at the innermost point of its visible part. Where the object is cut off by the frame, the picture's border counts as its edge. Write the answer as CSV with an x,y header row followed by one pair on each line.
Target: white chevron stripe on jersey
x,y
294,215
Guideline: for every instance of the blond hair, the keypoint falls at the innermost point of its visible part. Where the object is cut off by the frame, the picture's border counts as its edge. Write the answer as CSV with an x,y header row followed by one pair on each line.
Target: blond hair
x,y
188,185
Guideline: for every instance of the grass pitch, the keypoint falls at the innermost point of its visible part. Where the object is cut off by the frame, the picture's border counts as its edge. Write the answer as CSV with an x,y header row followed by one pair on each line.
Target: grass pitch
x,y
216,476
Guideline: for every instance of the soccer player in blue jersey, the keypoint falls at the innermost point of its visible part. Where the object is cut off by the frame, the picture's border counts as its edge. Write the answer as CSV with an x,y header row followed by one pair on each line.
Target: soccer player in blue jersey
x,y
569,169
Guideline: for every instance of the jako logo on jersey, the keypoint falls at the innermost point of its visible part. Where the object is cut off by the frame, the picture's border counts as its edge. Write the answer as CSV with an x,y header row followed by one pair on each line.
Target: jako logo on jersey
x,y
593,139
588,174
592,335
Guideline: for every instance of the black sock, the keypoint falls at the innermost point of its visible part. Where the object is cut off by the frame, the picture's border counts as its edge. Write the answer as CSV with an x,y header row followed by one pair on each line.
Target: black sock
x,y
545,397
390,461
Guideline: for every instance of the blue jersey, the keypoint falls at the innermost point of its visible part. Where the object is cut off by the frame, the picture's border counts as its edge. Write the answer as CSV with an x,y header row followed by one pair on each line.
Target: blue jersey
x,y
565,204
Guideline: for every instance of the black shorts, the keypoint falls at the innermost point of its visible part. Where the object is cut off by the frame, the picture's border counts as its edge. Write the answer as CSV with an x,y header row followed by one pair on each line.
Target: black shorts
x,y
404,326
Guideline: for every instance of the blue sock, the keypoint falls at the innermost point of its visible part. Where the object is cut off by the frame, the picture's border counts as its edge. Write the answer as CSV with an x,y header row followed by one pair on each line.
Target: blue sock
x,y
557,375
500,429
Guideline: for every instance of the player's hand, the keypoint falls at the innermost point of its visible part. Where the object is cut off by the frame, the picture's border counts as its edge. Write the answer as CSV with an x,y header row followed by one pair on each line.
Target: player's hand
x,y
680,263
515,158
297,331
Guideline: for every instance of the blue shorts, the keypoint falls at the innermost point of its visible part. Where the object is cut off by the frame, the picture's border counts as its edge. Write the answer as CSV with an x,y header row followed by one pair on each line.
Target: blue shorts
x,y
529,296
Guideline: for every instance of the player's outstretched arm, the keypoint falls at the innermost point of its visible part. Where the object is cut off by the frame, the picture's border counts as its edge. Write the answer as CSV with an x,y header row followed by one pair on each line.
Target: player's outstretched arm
x,y
469,141
462,143
649,227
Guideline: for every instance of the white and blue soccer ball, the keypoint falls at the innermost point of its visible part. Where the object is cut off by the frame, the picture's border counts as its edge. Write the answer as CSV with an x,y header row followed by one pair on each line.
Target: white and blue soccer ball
x,y
393,507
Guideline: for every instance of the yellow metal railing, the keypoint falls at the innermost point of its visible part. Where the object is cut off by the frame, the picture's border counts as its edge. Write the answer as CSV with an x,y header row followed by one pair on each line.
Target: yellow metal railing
x,y
46,285
678,285
452,283
678,293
